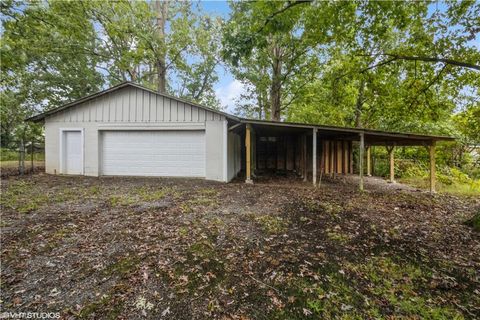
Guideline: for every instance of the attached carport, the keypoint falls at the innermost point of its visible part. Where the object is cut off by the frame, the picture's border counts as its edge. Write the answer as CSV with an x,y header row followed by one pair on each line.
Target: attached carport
x,y
312,151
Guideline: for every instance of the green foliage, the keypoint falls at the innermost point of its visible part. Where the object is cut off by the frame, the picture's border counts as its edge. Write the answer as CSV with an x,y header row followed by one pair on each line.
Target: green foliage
x,y
13,155
58,51
361,64
468,122
474,222
449,180
45,61
412,167
8,155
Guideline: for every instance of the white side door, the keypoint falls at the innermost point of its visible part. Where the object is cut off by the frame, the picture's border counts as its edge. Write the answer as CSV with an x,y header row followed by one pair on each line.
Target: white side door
x,y
72,152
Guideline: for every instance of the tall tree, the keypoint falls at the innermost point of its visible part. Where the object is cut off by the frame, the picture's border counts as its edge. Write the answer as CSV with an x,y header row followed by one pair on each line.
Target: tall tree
x,y
159,44
57,51
381,61
161,8
46,60
284,57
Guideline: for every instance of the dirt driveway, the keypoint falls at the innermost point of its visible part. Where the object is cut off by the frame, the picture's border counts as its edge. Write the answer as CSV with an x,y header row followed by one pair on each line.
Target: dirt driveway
x,y
136,248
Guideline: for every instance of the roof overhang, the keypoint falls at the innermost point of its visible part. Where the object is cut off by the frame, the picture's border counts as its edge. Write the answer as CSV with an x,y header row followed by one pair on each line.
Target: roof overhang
x,y
372,137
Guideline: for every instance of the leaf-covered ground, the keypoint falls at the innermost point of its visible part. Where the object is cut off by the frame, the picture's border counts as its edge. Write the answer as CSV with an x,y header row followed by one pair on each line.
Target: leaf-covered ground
x,y
134,248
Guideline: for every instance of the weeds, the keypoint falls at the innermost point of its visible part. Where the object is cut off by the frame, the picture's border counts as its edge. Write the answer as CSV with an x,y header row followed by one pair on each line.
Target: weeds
x,y
272,224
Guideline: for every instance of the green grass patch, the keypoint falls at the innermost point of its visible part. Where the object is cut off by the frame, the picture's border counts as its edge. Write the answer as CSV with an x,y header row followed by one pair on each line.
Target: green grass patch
x,y
203,268
107,305
332,296
122,267
142,194
456,188
14,155
449,180
337,236
404,286
122,200
322,207
378,288
272,224
25,196
19,196
154,194
203,198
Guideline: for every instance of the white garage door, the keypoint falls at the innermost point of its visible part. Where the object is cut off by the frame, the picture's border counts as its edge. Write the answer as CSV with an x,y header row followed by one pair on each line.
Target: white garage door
x,y
153,153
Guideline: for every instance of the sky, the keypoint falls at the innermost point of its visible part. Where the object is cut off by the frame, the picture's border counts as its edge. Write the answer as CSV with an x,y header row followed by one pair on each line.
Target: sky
x,y
227,88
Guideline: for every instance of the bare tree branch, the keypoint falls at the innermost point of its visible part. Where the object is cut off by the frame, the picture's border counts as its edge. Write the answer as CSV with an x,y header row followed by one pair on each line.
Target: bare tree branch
x,y
452,62
290,4
425,89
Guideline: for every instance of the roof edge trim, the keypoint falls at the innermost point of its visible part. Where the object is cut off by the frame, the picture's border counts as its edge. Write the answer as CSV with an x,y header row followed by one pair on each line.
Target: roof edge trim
x,y
41,116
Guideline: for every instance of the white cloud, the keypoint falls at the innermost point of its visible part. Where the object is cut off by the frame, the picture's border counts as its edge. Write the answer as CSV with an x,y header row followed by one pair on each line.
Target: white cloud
x,y
228,93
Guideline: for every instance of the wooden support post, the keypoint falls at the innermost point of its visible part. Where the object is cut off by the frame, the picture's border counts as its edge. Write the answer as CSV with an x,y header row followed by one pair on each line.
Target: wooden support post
x,y
314,157
304,156
322,164
432,167
332,159
294,141
339,157
360,160
390,150
345,157
326,152
350,156
248,153
369,162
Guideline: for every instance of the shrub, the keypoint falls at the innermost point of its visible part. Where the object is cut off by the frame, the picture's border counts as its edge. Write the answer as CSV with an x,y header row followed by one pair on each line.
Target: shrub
x,y
474,222
8,155
13,155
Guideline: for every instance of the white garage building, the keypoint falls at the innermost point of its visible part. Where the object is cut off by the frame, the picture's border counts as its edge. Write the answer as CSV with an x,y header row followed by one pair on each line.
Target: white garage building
x,y
129,130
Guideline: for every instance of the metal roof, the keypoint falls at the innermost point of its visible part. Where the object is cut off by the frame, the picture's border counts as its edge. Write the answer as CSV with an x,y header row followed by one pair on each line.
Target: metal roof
x,y
43,115
372,136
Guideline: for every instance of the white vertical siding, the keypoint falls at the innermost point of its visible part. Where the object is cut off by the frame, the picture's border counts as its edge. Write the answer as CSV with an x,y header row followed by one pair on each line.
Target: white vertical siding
x,y
132,107
132,104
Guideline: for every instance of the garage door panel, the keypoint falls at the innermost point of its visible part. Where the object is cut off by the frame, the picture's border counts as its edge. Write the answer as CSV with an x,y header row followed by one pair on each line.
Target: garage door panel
x,y
154,153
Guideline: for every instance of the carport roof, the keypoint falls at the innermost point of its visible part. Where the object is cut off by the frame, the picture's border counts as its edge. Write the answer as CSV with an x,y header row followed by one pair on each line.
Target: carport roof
x,y
372,137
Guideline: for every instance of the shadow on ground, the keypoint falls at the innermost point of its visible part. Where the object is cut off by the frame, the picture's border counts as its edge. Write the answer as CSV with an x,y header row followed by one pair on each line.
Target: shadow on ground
x,y
135,248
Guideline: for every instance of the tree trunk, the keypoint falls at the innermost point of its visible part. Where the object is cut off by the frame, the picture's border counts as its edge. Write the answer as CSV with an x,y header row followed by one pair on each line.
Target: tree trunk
x,y
260,108
21,158
160,64
359,105
276,87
